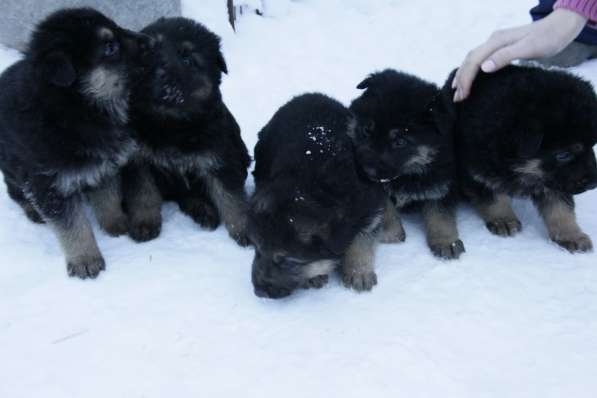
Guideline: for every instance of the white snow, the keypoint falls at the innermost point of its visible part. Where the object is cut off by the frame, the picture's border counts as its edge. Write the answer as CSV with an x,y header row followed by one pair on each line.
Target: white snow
x,y
177,317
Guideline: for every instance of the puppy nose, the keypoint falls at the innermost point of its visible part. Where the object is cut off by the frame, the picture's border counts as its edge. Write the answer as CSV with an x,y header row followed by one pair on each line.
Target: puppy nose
x,y
161,74
370,171
591,185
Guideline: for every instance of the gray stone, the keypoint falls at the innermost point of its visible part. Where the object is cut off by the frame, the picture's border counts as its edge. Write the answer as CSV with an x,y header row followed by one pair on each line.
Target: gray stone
x,y
19,17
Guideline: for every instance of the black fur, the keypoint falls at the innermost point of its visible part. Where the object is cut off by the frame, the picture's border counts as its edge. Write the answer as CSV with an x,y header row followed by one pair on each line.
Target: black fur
x,y
407,144
527,132
63,110
309,203
191,148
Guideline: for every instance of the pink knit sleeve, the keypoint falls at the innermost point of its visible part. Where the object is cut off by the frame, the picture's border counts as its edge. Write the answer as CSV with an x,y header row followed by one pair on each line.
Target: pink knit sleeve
x,y
588,8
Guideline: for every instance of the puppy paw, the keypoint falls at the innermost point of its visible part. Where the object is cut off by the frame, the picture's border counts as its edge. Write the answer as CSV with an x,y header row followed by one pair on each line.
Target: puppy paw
x,y
203,213
504,226
448,251
317,282
86,266
360,281
143,231
117,226
393,235
33,215
575,243
240,237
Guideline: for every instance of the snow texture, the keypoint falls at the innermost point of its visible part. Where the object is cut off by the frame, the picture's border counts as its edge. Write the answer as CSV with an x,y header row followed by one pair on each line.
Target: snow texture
x,y
176,317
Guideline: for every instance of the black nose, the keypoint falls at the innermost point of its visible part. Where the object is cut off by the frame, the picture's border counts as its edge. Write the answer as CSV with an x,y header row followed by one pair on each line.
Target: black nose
x,y
370,171
591,185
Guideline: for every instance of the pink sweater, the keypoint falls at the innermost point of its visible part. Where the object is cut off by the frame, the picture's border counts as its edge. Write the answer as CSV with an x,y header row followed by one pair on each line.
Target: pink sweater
x,y
588,8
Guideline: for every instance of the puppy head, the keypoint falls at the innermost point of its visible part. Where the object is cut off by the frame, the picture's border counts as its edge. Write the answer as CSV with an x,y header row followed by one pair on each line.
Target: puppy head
x,y
84,51
568,167
186,74
403,126
297,236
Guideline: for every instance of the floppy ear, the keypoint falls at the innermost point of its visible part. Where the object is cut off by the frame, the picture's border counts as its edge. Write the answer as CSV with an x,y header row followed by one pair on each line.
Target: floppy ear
x,y
529,144
222,63
58,69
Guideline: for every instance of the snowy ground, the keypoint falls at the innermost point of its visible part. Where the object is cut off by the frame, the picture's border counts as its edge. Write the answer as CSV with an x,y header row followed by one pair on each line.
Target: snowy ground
x,y
177,317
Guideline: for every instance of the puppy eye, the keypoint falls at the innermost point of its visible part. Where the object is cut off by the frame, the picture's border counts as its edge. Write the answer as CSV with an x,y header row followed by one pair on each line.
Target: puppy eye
x,y
187,60
278,258
399,142
564,157
111,48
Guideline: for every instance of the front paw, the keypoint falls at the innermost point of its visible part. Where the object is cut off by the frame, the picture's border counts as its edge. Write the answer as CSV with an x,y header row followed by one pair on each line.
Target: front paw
x,y
360,280
86,266
448,251
317,282
394,234
203,213
145,230
117,227
575,243
504,226
240,237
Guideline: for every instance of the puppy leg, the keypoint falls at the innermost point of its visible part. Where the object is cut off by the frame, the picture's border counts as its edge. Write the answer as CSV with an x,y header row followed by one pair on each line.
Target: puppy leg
x,y
199,206
442,232
392,230
66,217
498,215
106,201
358,265
557,210
143,203
16,194
232,207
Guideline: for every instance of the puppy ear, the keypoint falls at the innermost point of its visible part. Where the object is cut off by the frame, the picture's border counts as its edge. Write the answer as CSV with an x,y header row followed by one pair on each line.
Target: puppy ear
x,y
58,69
365,83
222,63
443,111
529,144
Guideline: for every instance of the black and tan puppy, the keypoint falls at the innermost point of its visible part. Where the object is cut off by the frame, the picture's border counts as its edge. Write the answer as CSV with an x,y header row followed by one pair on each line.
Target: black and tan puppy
x,y
191,151
528,132
407,145
311,209
63,115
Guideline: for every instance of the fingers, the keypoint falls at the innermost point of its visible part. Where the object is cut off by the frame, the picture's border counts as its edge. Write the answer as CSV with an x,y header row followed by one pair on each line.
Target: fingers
x,y
504,56
481,58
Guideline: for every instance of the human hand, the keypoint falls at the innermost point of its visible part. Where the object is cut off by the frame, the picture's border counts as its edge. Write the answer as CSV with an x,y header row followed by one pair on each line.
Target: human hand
x,y
539,39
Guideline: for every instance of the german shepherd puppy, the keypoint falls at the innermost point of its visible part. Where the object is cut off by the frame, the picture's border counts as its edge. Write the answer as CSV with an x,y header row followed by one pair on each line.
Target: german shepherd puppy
x,y
311,209
528,132
191,151
63,117
406,144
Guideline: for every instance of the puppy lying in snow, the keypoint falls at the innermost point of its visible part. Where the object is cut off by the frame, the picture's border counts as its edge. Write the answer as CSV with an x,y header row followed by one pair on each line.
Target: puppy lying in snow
x,y
63,134
191,151
406,144
311,209
528,132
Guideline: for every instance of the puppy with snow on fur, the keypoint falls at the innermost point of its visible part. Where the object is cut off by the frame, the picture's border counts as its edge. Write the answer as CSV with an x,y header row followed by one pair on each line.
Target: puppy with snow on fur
x,y
191,151
406,144
312,210
63,128
528,132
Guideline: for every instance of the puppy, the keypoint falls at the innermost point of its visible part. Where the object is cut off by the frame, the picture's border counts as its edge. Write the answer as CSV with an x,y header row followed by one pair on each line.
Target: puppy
x,y
528,132
63,115
191,151
406,144
311,209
